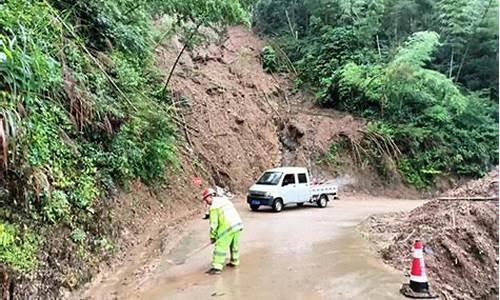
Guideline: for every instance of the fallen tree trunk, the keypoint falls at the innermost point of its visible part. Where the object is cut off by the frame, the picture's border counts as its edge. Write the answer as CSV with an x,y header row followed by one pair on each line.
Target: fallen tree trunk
x,y
468,198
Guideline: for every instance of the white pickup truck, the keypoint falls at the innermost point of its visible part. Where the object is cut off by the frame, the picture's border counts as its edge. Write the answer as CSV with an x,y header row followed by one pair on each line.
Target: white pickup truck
x,y
282,186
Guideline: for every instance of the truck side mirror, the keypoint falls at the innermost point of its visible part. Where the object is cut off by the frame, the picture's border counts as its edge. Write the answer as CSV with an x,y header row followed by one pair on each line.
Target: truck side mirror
x,y
284,183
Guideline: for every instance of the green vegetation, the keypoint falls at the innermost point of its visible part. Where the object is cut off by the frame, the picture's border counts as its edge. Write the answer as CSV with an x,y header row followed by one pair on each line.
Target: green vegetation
x,y
434,97
269,59
84,110
17,249
331,156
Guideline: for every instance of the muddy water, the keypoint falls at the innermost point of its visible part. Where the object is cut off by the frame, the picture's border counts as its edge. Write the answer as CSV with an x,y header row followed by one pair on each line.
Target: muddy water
x,y
301,253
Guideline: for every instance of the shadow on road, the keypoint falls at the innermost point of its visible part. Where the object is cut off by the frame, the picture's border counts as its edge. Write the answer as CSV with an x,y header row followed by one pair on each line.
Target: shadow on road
x,y
293,207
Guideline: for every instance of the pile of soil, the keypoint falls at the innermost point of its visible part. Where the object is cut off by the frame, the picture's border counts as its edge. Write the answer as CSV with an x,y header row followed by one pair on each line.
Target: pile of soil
x,y
482,187
460,241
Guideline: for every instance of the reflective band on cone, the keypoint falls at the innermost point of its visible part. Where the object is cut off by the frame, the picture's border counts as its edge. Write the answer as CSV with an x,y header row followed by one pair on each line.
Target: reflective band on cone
x,y
418,279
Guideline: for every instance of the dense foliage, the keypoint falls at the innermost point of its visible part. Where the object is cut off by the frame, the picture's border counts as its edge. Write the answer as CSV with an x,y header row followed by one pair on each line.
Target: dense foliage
x,y
434,95
269,59
81,110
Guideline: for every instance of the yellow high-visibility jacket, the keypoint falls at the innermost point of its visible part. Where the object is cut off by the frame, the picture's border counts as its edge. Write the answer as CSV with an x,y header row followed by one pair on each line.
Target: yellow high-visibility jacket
x,y
224,218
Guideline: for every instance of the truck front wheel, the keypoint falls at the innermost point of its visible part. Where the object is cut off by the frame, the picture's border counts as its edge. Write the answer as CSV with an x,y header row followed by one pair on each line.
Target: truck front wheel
x,y
278,205
322,201
254,207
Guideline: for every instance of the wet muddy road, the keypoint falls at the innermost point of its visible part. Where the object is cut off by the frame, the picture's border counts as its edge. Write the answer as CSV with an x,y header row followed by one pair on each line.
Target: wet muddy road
x,y
300,253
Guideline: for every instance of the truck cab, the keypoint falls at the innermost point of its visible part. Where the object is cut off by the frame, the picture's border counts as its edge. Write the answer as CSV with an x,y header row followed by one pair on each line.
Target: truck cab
x,y
279,187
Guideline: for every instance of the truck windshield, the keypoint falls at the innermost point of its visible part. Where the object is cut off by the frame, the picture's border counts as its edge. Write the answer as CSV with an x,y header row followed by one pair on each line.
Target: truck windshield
x,y
270,178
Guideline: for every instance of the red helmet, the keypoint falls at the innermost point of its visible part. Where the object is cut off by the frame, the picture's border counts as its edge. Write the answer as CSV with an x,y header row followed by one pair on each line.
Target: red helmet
x,y
208,192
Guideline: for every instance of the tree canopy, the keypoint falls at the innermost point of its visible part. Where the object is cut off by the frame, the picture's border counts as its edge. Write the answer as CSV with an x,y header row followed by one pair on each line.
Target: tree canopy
x,y
425,73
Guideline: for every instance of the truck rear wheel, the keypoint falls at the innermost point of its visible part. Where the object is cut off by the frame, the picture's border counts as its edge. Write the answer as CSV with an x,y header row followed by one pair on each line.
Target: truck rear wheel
x,y
254,207
278,205
322,201
300,204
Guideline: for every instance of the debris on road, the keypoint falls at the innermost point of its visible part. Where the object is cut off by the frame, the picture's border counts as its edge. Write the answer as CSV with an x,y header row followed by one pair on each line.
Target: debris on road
x,y
483,187
463,236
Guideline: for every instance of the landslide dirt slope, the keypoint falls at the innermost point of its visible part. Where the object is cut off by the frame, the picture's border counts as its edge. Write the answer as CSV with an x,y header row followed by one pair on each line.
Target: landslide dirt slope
x,y
231,126
241,120
461,238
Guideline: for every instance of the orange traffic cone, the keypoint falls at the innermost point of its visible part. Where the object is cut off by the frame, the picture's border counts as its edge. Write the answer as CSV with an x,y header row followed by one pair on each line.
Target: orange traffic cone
x,y
419,286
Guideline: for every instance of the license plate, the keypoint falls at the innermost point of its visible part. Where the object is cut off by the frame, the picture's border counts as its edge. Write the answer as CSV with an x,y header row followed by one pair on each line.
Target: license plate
x,y
255,202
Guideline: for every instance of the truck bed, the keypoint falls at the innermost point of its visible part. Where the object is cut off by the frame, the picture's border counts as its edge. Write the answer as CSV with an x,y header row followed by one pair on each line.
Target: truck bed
x,y
328,188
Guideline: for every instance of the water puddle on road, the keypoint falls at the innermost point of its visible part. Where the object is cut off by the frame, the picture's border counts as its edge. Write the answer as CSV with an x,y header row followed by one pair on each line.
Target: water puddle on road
x,y
341,268
178,255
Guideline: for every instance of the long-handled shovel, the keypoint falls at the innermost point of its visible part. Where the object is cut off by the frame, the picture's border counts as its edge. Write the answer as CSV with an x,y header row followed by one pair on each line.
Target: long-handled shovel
x,y
190,254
